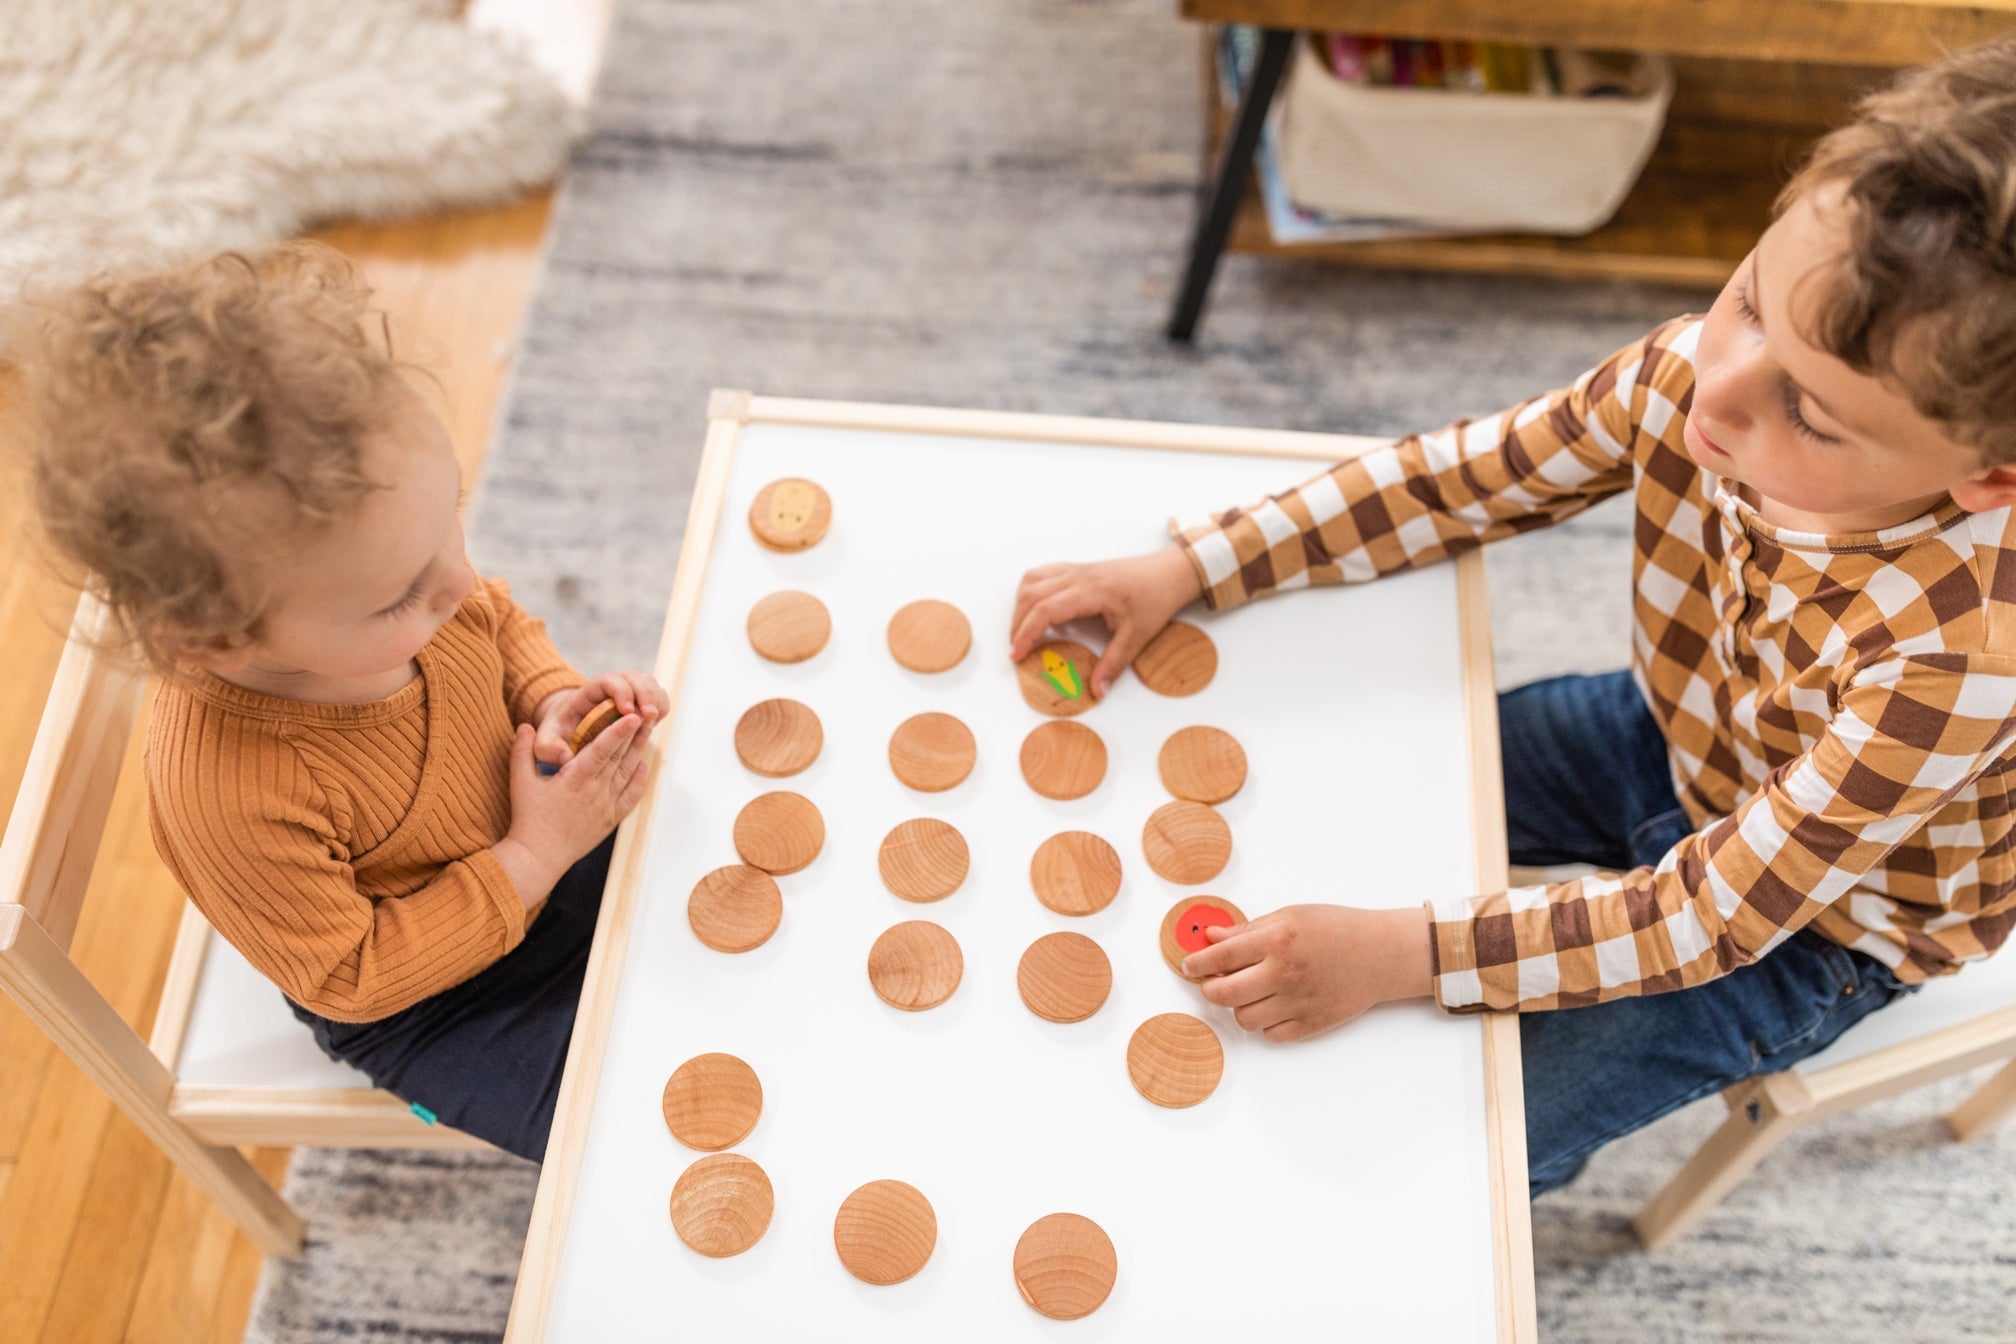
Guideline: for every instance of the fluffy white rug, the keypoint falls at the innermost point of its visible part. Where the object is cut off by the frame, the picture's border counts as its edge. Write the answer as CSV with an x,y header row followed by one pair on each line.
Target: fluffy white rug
x,y
153,129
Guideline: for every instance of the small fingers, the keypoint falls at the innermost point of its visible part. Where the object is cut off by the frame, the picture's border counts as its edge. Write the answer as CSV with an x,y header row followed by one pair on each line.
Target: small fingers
x,y
1227,953
1261,1015
1056,609
1118,657
1281,1033
1238,990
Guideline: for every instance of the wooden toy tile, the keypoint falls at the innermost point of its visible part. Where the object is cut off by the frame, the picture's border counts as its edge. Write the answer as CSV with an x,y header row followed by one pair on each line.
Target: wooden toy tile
x,y
1179,661
789,627
721,1205
1063,760
778,737
791,514
1056,677
929,636
1183,927
885,1232
1064,977
1204,765
1175,1060
924,859
591,725
915,965
734,909
712,1101
932,752
779,832
1065,1266
1186,842
1075,873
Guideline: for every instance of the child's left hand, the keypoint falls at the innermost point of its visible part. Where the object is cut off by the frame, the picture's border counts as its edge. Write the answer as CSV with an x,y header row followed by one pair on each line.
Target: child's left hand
x,y
1304,969
560,713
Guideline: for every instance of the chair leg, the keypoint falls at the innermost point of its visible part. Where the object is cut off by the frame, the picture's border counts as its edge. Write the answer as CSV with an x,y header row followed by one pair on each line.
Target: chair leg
x,y
1762,1111
1987,1106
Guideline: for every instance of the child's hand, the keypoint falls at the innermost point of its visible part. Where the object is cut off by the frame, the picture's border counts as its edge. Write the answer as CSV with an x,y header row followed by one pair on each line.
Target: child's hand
x,y
560,713
1306,968
557,819
1136,596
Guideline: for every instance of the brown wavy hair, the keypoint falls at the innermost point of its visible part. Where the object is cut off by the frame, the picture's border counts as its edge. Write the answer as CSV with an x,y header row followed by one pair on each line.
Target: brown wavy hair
x,y
1924,298
176,418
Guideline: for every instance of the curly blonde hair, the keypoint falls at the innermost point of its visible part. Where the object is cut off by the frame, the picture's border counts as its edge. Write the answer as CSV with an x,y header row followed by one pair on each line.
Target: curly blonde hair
x,y
173,417
1925,294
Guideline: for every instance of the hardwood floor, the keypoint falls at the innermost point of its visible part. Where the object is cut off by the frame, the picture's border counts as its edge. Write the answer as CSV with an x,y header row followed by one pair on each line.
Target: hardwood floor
x,y
100,1238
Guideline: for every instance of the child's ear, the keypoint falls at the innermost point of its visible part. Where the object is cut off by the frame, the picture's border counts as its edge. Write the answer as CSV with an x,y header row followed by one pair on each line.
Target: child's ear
x,y
1988,490
213,653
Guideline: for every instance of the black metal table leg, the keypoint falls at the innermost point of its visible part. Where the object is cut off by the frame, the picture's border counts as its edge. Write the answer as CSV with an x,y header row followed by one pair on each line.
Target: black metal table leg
x,y
1214,221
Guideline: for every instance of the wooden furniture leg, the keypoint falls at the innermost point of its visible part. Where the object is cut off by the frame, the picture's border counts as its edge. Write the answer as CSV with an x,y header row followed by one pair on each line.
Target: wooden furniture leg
x,y
36,974
1762,1111
1987,1106
1214,221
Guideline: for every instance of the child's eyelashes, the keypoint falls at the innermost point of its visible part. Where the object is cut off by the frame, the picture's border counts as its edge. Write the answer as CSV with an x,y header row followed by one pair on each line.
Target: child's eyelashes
x,y
1800,424
404,604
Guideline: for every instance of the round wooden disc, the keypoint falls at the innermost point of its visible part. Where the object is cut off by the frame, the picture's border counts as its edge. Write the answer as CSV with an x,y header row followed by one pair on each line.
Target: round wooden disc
x,y
789,627
1075,873
735,908
779,832
885,1231
1065,1266
1204,765
778,737
1063,760
1186,842
591,725
1179,661
791,514
721,1204
1064,977
915,965
1183,927
924,859
712,1101
929,636
932,752
1175,1060
1056,677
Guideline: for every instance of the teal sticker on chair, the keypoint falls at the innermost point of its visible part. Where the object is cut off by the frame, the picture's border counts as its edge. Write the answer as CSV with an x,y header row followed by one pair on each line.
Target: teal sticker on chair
x,y
426,1116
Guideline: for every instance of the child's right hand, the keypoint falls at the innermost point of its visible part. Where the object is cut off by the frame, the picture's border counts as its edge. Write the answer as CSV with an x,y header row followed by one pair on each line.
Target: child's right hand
x,y
556,819
1136,596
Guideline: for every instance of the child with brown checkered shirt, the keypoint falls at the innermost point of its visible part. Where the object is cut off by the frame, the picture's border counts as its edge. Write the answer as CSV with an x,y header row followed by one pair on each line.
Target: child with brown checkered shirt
x,y
1805,780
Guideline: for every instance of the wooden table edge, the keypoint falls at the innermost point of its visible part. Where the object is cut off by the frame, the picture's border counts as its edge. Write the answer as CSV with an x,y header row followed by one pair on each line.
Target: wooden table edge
x,y
730,410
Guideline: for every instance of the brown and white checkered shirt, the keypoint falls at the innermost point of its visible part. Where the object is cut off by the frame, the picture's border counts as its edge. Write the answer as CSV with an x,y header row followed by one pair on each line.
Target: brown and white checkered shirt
x,y
1837,709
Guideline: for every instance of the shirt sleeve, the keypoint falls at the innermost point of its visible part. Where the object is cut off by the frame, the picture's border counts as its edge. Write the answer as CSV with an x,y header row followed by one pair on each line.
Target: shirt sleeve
x,y
533,667
1430,496
1910,734
261,860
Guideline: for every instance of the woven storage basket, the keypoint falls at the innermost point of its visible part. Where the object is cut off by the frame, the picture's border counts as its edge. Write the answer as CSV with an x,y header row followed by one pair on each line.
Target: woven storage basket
x,y
1482,162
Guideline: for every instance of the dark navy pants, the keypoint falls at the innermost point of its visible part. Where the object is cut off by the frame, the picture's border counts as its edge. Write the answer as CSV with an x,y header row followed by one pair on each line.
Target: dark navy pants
x,y
1587,781
486,1055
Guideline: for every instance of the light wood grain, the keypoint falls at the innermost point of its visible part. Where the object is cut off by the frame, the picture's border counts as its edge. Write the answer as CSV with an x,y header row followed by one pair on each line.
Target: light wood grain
x,y
1175,1060
1065,1266
1186,842
789,626
885,1232
1075,873
932,752
1203,765
1064,760
735,909
929,636
1181,660
915,965
1064,977
791,514
780,832
1056,677
923,859
778,737
721,1205
712,1102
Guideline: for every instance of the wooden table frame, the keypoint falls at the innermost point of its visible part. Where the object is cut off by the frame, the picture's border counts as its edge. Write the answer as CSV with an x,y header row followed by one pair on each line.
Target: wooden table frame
x,y
728,412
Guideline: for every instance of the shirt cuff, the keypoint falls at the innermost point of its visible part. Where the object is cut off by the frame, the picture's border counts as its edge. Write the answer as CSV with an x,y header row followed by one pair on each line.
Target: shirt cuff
x,y
1452,945
562,678
503,894
1211,555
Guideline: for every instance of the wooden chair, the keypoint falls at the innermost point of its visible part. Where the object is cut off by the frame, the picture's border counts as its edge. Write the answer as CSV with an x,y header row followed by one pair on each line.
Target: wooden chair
x,y
227,1064
1948,1027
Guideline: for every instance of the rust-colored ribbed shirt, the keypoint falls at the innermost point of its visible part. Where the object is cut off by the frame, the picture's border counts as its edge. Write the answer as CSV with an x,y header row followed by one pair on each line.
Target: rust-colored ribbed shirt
x,y
345,850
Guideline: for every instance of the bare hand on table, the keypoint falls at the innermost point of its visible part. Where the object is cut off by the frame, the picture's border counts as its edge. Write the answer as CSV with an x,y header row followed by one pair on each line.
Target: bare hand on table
x,y
557,819
1136,596
1304,969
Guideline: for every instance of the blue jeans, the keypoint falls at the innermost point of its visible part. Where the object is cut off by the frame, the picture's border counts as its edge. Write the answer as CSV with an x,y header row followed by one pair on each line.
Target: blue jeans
x,y
1587,781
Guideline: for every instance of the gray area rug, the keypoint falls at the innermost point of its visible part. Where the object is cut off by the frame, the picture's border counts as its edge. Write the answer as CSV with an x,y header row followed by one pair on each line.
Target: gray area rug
x,y
985,205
